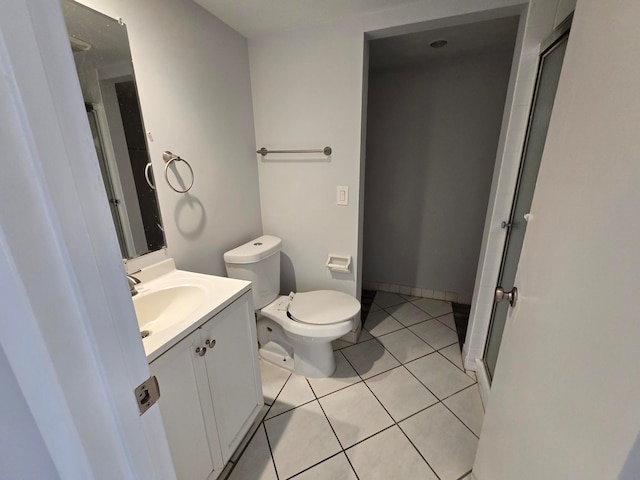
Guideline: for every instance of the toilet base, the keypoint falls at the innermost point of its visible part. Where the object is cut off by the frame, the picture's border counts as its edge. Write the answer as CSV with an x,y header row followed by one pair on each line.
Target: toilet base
x,y
277,355
315,360
302,356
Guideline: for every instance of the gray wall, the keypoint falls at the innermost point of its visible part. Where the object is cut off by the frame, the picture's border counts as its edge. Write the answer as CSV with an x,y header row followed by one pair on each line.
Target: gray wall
x,y
432,136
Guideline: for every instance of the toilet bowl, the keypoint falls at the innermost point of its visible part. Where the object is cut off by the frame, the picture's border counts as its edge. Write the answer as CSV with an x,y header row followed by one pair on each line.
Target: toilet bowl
x,y
295,331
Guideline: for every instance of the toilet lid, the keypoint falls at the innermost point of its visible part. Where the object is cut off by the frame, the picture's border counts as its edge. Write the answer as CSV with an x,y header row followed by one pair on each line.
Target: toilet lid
x,y
323,307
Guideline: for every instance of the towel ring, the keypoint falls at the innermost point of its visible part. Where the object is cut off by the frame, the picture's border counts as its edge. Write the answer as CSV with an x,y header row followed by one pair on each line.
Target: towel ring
x,y
146,175
170,158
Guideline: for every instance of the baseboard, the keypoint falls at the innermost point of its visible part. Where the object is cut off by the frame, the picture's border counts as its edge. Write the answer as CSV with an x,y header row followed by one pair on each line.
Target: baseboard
x,y
419,292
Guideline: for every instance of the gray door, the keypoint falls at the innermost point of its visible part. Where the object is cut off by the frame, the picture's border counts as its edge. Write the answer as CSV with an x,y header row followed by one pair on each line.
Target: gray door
x,y
546,85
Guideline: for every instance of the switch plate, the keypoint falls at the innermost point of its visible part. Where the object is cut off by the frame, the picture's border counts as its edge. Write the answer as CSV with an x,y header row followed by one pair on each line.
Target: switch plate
x,y
342,195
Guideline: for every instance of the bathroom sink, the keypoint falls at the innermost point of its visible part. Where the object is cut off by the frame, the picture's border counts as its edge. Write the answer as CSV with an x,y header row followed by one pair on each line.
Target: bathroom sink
x,y
171,303
160,309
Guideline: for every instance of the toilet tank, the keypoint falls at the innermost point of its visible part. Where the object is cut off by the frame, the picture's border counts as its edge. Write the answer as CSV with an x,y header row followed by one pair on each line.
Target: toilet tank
x,y
259,262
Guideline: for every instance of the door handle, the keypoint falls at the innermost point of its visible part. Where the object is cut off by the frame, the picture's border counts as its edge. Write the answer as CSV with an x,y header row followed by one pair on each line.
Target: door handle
x,y
511,296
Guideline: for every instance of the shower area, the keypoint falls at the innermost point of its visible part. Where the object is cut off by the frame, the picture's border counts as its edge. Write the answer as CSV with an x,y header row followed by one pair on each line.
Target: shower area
x,y
434,112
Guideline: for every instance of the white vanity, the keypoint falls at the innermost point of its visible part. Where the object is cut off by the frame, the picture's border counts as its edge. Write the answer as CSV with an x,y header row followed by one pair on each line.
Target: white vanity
x,y
206,361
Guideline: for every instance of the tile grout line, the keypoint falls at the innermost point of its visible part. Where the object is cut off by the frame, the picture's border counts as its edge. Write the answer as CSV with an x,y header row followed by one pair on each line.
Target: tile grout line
x,y
414,376
407,327
395,423
363,380
265,431
332,429
273,460
464,476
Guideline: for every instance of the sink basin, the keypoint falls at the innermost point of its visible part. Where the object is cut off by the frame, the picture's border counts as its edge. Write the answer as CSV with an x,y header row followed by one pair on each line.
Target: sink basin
x,y
160,309
172,303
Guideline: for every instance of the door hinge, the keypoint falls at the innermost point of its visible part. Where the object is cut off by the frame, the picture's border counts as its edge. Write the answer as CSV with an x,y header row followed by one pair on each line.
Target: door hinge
x,y
147,393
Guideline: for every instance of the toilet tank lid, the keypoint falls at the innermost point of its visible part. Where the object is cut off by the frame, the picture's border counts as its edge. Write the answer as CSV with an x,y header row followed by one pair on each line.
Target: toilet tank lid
x,y
254,251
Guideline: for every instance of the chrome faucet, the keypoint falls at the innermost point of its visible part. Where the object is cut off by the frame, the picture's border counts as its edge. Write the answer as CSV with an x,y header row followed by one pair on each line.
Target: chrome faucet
x,y
133,281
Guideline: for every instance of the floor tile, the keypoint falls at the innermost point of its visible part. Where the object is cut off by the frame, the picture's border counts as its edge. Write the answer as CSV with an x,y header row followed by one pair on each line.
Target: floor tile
x,y
435,333
380,323
405,345
369,358
255,463
374,306
408,314
273,379
295,392
300,438
467,406
355,414
340,344
389,455
448,320
257,423
453,354
364,336
344,376
443,440
439,375
387,299
400,393
435,308
335,468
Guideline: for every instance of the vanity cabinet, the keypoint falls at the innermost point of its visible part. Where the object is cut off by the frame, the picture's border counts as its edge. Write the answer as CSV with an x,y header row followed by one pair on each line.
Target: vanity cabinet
x,y
210,391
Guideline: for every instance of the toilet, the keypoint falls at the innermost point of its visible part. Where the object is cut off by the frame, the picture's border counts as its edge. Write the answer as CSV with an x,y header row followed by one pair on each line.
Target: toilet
x,y
295,331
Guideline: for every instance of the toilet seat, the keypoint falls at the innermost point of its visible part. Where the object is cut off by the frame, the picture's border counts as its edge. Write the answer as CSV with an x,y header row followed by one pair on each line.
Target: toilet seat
x,y
322,307
335,323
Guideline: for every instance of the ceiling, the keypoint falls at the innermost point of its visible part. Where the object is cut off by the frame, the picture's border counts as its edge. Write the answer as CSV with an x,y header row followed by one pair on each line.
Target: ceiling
x,y
253,18
491,36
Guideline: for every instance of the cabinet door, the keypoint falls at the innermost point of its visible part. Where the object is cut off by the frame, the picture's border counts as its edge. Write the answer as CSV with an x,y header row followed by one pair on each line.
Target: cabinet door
x,y
187,412
234,374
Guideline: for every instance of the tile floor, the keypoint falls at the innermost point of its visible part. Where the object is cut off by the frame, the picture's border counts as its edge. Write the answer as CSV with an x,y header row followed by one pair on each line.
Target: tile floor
x,y
398,406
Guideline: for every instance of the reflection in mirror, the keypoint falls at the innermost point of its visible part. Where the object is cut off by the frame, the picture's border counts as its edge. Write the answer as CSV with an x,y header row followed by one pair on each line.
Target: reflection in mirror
x,y
103,61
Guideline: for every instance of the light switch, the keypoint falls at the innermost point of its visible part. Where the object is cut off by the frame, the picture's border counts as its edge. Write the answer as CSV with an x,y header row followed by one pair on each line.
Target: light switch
x,y
342,197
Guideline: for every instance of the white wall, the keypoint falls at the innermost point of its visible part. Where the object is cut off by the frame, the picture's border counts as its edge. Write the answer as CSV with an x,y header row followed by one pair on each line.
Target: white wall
x,y
192,73
432,138
307,88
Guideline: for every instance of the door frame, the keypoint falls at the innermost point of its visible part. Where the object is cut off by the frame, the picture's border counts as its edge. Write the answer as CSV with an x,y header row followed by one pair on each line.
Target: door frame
x,y
68,329
560,35
536,26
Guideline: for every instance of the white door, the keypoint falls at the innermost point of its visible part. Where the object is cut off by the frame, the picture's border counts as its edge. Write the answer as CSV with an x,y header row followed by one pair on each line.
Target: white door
x,y
565,401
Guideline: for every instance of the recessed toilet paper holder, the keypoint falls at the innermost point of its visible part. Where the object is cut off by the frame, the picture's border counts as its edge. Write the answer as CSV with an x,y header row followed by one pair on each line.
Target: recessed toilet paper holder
x,y
339,263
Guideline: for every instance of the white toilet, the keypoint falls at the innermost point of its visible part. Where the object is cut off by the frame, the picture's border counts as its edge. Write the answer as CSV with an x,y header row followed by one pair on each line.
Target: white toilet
x,y
295,331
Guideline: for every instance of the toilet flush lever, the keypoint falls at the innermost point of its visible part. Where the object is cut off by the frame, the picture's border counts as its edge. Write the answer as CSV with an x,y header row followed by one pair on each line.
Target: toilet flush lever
x,y
511,296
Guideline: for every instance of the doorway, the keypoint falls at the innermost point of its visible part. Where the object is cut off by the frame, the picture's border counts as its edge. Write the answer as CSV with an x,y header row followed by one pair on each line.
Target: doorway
x,y
549,70
433,123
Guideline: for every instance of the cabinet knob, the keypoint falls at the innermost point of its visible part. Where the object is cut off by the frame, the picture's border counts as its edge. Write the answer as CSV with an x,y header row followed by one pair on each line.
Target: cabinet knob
x,y
211,343
201,351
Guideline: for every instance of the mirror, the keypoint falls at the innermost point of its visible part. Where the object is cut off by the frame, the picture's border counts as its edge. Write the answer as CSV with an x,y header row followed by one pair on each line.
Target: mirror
x,y
101,52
